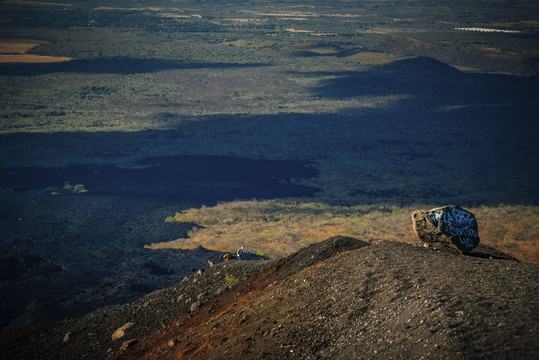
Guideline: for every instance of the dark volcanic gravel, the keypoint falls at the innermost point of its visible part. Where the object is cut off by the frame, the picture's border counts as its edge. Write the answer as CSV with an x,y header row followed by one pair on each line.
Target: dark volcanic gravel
x,y
91,336
339,299
388,300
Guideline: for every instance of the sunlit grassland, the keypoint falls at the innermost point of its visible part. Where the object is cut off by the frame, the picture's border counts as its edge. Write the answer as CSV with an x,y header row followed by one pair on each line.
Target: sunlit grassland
x,y
73,103
127,102
280,227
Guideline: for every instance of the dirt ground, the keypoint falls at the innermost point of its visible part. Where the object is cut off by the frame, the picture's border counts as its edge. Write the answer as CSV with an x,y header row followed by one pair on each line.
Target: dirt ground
x,y
342,298
385,301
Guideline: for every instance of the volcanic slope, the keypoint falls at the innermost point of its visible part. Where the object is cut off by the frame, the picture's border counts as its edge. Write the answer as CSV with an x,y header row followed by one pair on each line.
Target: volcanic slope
x,y
344,299
90,337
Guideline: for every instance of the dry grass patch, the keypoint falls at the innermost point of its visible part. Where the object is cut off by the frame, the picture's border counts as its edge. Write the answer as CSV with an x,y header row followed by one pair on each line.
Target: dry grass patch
x,y
325,50
344,15
497,51
147,8
534,23
373,58
289,15
298,31
250,43
16,47
279,228
378,31
513,229
181,16
246,20
32,59
310,32
466,68
15,52
22,2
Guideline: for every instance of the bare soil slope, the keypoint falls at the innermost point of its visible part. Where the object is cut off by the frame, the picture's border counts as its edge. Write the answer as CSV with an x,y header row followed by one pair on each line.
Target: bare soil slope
x,y
342,299
388,300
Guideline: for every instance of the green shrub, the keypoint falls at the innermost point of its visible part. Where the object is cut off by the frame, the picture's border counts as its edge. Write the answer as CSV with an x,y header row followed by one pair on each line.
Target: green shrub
x,y
230,279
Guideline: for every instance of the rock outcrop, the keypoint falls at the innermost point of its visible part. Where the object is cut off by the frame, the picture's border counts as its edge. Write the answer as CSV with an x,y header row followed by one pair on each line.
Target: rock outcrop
x,y
448,225
120,332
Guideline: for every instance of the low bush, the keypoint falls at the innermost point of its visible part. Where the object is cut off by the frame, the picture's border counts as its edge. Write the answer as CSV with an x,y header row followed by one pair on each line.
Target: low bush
x,y
230,279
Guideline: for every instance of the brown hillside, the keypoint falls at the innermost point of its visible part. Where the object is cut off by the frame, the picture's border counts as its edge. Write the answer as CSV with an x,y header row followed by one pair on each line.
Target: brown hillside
x,y
387,300
341,298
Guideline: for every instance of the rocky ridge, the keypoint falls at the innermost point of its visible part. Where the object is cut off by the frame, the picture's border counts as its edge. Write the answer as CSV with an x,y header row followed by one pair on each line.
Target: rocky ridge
x,y
342,298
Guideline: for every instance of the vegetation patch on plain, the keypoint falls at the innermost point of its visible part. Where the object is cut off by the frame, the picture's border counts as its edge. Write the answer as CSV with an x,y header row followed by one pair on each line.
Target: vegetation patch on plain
x,y
280,228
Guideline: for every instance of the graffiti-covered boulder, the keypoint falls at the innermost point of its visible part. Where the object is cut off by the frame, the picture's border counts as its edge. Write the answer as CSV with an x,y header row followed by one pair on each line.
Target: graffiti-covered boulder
x,y
447,225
